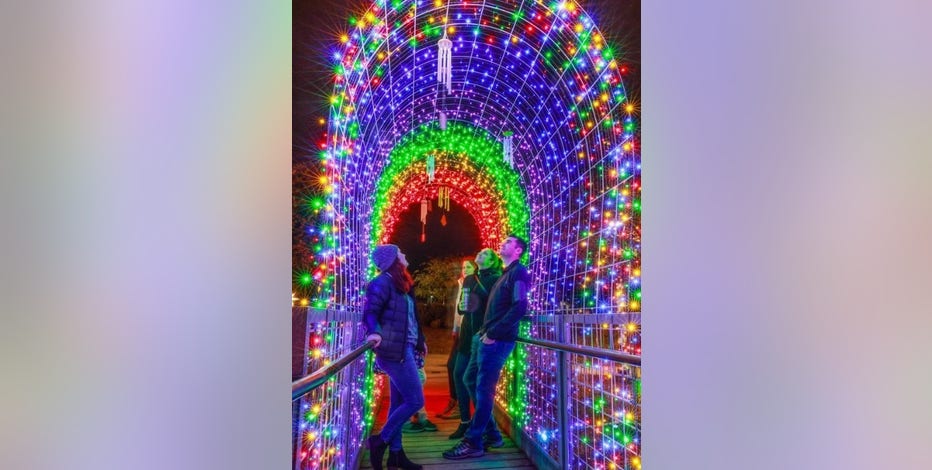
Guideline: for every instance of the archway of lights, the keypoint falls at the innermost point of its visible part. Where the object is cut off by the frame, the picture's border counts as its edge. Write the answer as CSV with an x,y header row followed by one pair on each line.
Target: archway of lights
x,y
543,74
468,162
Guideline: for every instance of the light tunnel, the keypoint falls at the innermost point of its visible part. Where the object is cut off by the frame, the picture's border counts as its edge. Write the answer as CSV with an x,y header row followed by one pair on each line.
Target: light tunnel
x,y
543,73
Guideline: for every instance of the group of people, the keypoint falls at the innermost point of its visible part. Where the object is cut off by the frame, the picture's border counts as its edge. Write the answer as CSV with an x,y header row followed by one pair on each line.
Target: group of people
x,y
491,302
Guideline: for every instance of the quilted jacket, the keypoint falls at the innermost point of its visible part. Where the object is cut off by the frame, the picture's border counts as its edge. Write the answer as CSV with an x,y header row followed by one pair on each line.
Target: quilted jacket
x,y
386,312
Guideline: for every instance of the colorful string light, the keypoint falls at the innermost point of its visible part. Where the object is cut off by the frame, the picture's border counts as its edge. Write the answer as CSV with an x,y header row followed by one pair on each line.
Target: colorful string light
x,y
543,73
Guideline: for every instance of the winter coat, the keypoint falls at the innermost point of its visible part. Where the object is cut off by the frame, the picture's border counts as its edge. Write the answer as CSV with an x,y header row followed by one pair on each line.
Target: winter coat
x,y
386,312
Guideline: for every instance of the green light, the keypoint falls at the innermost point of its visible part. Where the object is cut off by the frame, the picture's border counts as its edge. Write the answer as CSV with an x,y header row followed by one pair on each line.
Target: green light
x,y
474,150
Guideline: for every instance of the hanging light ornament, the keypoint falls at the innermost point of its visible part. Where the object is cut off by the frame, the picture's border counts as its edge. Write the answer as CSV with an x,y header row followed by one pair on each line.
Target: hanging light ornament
x,y
444,67
509,150
431,167
443,198
424,207
443,121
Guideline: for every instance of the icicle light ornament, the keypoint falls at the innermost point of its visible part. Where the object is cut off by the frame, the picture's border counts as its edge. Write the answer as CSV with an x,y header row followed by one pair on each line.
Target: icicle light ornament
x,y
444,62
508,149
431,167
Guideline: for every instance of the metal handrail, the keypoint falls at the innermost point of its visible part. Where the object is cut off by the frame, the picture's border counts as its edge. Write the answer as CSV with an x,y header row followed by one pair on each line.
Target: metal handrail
x,y
315,379
597,353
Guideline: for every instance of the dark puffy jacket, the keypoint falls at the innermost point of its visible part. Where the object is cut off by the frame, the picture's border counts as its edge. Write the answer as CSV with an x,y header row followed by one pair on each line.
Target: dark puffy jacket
x,y
386,312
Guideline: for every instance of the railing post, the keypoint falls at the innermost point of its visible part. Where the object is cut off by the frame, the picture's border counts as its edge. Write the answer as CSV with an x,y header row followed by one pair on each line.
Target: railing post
x,y
348,399
563,396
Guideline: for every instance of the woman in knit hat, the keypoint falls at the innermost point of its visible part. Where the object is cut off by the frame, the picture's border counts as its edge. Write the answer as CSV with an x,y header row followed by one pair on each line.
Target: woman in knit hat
x,y
391,321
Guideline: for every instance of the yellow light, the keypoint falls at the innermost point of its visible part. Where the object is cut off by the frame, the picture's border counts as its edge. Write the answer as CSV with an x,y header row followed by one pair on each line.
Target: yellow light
x,y
304,302
625,192
381,55
604,97
635,305
629,108
321,121
370,17
334,99
430,20
570,6
637,272
627,146
578,28
344,38
438,3
613,173
451,29
514,39
612,65
632,327
636,461
608,214
323,179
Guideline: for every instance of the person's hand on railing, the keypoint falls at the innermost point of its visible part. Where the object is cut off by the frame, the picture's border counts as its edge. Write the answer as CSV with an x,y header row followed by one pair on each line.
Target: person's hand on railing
x,y
375,337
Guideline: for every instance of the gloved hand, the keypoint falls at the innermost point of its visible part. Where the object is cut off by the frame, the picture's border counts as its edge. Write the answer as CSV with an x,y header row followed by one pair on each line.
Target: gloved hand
x,y
375,337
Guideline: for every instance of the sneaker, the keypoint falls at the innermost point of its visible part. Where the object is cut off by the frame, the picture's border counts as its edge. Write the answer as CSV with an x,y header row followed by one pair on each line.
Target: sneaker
x,y
463,450
447,412
426,425
489,441
409,427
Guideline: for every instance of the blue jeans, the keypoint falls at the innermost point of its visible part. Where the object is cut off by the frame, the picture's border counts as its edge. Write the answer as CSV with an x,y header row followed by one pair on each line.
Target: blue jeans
x,y
463,397
482,373
407,396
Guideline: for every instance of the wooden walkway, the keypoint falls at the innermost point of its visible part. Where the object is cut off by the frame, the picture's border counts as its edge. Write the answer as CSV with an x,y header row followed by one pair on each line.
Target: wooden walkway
x,y
425,448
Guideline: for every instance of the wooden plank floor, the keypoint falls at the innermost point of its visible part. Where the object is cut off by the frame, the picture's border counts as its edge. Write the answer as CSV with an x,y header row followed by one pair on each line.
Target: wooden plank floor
x,y
425,448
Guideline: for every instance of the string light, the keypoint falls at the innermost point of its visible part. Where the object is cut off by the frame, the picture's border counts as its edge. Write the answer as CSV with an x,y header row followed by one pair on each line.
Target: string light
x,y
546,72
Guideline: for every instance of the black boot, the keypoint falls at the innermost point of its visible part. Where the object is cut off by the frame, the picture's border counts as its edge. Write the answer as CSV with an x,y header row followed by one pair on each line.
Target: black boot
x,y
376,451
460,431
398,460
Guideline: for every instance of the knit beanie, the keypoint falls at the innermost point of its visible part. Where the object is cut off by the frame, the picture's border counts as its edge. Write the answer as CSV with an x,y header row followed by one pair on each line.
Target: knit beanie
x,y
384,255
